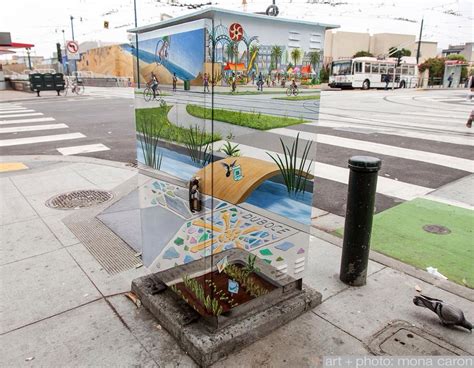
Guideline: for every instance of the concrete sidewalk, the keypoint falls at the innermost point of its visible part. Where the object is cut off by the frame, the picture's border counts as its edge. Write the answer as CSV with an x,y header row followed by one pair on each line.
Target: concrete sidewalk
x,y
61,307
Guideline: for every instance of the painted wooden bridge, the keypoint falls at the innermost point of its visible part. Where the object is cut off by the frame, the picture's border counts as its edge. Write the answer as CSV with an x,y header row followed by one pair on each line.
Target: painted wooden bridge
x,y
214,180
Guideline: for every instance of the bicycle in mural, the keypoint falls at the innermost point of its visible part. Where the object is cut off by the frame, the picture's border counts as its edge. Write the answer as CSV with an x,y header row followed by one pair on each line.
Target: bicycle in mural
x,y
149,95
161,51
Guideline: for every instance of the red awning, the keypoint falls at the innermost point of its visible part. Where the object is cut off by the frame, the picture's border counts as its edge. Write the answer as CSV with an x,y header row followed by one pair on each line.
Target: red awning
x,y
306,69
18,45
231,66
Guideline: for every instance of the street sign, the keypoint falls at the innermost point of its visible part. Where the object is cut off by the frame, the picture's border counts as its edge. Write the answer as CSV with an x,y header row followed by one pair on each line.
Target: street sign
x,y
72,48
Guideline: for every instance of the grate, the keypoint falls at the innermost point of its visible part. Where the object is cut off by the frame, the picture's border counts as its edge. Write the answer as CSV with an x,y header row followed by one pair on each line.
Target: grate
x,y
79,199
436,229
106,247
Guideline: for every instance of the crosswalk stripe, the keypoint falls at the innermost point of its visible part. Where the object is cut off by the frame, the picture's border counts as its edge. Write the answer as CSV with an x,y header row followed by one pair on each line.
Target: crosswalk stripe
x,y
22,115
15,111
400,123
67,151
3,108
22,121
41,139
383,149
458,140
31,128
386,186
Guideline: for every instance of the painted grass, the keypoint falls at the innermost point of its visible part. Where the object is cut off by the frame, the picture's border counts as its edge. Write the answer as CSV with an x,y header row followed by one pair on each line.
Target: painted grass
x,y
158,116
298,98
247,119
398,233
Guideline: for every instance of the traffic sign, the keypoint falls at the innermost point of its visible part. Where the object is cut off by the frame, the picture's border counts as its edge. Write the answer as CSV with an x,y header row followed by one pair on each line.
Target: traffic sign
x,y
72,48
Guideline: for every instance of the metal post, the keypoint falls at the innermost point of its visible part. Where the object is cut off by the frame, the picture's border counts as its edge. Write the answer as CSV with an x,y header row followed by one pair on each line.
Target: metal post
x,y
29,58
359,214
136,43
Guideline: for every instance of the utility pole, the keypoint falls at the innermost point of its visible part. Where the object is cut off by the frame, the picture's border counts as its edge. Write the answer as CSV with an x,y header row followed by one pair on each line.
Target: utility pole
x,y
72,27
419,42
74,68
136,43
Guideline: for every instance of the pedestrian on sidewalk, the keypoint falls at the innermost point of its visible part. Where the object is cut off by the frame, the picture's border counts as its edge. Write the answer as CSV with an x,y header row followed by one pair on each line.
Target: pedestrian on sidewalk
x,y
206,83
233,83
470,85
386,80
469,120
260,83
175,81
450,80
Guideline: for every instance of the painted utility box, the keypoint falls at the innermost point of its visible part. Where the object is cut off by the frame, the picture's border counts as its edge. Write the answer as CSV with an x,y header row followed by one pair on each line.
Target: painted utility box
x,y
226,112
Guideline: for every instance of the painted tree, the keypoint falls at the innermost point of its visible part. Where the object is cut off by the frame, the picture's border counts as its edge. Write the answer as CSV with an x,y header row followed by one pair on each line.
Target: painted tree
x,y
314,59
296,55
253,50
232,52
276,54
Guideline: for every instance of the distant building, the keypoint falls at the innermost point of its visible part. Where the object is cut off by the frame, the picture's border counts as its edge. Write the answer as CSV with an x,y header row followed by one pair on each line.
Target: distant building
x,y
343,45
467,50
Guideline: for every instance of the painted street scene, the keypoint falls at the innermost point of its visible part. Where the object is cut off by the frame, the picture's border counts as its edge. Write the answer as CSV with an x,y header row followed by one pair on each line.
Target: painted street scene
x,y
238,184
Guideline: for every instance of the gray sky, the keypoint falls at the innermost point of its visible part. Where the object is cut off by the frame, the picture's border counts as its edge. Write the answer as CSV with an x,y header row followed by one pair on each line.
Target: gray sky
x,y
41,23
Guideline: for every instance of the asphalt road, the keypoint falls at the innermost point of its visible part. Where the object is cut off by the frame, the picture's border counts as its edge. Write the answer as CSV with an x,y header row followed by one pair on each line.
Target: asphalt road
x,y
419,135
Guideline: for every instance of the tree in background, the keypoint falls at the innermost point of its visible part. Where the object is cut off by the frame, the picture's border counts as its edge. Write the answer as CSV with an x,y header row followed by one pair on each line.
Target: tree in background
x,y
436,66
296,55
276,54
462,58
393,52
363,53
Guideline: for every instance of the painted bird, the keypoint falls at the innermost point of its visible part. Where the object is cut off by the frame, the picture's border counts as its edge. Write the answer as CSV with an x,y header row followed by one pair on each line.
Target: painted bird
x,y
447,313
228,168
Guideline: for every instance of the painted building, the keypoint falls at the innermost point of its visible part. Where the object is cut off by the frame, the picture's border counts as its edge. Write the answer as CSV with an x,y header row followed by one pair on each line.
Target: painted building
x,y
343,45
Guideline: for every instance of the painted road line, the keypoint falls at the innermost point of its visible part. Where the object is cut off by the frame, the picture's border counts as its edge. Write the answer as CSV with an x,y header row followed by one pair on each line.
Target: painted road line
x,y
32,128
459,140
15,111
382,149
23,121
385,186
21,115
76,150
42,139
12,166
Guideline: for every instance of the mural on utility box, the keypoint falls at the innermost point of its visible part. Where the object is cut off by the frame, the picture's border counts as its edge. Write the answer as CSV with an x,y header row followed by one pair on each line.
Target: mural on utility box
x,y
247,155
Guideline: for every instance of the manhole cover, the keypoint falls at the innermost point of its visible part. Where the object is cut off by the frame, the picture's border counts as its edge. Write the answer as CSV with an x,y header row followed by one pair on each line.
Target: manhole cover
x,y
403,339
436,229
79,199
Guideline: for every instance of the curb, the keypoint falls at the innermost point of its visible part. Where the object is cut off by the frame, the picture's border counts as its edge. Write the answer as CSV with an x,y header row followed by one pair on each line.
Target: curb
x,y
397,265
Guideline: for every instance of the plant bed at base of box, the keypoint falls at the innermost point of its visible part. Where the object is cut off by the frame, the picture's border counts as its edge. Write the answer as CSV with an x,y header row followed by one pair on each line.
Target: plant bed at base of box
x,y
209,296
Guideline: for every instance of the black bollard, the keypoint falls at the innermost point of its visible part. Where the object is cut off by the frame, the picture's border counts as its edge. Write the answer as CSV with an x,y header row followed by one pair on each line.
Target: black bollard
x,y
359,215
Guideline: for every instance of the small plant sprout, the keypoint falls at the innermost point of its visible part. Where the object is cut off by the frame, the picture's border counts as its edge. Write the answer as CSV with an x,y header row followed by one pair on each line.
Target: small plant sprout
x,y
230,150
250,266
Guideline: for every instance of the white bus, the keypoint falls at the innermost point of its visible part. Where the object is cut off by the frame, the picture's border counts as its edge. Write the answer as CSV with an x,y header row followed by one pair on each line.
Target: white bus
x,y
369,72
